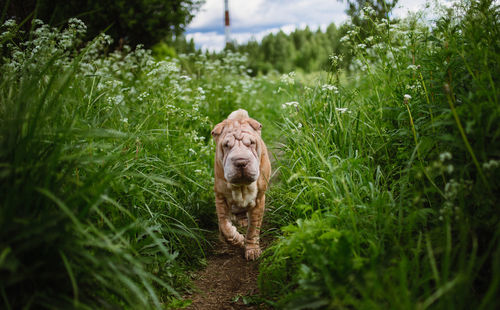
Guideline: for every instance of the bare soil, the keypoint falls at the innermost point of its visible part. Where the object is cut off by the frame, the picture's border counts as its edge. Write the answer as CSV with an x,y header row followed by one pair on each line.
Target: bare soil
x,y
228,281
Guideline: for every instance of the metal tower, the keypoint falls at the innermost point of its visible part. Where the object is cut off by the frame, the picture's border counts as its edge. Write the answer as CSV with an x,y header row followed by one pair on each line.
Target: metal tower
x,y
226,21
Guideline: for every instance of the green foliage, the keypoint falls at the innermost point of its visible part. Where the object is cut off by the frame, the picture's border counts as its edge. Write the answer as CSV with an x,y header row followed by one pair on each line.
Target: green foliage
x,y
359,10
310,51
304,257
385,175
106,168
302,49
127,22
162,50
171,47
400,159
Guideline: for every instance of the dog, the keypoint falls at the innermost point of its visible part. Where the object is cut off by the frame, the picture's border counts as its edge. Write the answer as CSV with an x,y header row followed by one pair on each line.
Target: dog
x,y
242,169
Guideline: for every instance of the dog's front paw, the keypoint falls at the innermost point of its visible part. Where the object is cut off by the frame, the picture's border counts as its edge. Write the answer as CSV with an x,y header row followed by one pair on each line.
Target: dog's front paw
x,y
252,252
237,240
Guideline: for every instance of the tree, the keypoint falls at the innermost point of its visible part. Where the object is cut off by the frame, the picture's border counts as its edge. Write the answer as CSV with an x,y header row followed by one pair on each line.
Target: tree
x,y
302,49
129,21
379,9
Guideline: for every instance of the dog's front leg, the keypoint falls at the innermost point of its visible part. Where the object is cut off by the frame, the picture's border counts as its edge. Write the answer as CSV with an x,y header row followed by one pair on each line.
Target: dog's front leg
x,y
226,227
255,215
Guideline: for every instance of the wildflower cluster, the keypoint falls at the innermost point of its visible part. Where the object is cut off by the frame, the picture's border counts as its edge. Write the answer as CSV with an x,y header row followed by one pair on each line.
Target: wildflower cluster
x,y
288,79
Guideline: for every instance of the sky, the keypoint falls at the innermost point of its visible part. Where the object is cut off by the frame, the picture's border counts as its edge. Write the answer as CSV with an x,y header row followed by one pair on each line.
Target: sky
x,y
257,18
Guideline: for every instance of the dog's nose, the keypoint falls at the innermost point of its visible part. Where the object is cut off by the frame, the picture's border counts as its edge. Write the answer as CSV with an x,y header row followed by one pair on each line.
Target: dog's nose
x,y
240,162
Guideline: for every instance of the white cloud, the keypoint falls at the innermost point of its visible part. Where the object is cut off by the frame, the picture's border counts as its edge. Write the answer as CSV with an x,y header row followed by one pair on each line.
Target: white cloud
x,y
257,18
405,6
211,40
249,15
210,14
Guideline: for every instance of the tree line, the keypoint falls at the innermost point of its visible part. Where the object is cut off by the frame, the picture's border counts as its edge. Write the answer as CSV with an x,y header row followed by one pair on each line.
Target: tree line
x,y
308,50
160,25
303,49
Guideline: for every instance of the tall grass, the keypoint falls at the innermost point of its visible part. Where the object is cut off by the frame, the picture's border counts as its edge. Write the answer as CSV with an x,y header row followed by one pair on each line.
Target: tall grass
x,y
389,178
105,168
386,175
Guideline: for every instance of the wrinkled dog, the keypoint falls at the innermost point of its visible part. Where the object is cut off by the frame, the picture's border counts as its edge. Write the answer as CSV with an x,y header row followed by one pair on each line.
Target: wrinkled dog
x,y
242,171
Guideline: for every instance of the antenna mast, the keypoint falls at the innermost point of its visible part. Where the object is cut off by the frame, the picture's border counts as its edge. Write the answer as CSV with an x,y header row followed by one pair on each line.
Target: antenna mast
x,y
226,21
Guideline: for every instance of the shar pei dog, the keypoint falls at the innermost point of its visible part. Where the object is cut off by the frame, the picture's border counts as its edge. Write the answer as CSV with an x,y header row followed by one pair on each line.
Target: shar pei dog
x,y
242,171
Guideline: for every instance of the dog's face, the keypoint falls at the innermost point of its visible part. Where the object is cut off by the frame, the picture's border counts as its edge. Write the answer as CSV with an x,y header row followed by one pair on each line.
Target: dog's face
x,y
239,149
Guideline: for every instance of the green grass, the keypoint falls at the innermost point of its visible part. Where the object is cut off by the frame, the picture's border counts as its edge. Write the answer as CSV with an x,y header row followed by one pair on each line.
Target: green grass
x,y
387,198
385,175
106,168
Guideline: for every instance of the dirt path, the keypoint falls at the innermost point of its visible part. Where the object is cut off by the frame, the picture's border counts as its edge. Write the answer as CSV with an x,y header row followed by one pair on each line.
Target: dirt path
x,y
228,281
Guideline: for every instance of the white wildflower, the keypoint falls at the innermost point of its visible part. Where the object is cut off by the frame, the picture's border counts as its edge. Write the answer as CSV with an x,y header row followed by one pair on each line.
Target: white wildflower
x,y
118,99
12,22
412,67
344,39
444,156
330,87
407,97
77,25
491,164
334,57
142,96
341,110
291,103
288,78
369,10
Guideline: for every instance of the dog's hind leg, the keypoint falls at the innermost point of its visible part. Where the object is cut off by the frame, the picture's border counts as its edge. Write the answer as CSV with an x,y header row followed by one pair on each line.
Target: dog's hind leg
x,y
241,218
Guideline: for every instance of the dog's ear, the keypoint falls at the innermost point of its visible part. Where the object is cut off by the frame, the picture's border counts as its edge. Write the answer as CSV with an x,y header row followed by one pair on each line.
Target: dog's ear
x,y
218,129
255,125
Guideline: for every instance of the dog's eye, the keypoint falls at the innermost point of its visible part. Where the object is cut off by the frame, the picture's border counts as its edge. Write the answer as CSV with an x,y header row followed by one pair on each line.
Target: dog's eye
x,y
226,144
252,142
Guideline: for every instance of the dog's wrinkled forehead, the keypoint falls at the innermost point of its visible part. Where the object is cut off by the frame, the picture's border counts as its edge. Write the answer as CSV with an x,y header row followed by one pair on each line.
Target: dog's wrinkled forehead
x,y
238,130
